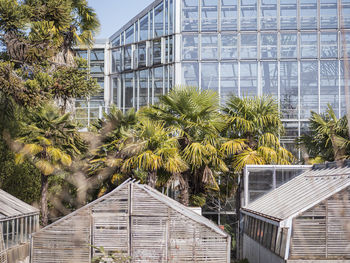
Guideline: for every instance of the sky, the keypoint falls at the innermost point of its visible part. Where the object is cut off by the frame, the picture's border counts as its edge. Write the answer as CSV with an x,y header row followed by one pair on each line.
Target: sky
x,y
113,14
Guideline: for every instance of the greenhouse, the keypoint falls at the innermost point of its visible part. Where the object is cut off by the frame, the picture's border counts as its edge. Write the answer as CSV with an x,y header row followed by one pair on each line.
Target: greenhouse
x,y
305,219
135,222
18,221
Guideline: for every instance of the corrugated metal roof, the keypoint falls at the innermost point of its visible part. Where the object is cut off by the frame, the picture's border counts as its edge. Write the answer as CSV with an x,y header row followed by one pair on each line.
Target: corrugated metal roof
x,y
302,192
11,206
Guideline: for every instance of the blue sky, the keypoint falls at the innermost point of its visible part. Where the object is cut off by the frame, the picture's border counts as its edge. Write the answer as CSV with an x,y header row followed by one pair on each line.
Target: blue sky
x,y
113,14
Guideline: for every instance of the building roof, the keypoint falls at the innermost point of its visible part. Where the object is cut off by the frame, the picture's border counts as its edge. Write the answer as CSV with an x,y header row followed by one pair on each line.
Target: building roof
x,y
302,192
11,206
157,195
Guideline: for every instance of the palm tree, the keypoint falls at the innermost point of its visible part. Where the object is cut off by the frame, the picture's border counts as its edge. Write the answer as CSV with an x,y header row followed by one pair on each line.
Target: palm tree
x,y
328,138
50,141
253,129
196,115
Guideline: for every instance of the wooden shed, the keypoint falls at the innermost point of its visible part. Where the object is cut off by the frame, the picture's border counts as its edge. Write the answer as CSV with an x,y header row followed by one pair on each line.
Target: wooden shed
x,y
305,220
18,221
135,221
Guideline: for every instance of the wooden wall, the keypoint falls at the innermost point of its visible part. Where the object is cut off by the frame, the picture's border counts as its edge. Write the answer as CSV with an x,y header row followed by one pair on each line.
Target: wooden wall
x,y
3,257
323,232
134,223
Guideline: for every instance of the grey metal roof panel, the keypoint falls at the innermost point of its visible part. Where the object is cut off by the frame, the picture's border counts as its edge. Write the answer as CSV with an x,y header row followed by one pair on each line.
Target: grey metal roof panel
x,y
301,193
11,206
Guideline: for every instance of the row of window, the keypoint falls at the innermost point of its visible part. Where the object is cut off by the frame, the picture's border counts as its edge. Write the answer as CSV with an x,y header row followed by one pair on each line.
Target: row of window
x,y
228,46
144,54
156,23
17,231
299,87
214,15
137,89
268,235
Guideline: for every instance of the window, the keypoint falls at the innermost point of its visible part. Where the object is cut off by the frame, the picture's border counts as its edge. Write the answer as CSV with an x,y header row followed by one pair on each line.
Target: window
x,y
249,83
288,14
209,48
289,45
345,13
228,80
129,35
308,14
268,45
143,88
248,14
190,15
289,90
116,42
97,55
190,47
116,60
82,54
190,74
228,46
308,45
158,20
269,74
142,55
129,91
127,57
144,30
209,15
268,10
249,42
329,86
157,51
329,14
97,68
329,44
308,88
157,83
209,76
228,14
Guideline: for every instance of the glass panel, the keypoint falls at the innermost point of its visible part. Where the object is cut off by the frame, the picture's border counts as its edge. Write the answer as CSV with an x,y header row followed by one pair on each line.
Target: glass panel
x,y
345,49
345,19
291,131
157,51
171,17
308,45
269,74
329,45
157,83
116,42
248,15
228,46
329,14
97,55
142,54
283,175
158,20
249,85
190,47
127,57
143,89
249,42
116,88
209,48
260,183
288,14
97,68
342,88
228,14
210,76
169,50
190,15
289,90
144,28
190,74
308,88
129,91
116,60
268,10
209,15
289,45
308,14
129,35
329,86
268,45
82,54
228,80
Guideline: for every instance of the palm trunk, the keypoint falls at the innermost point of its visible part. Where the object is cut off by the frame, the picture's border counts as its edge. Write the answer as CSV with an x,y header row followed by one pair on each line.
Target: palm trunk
x,y
43,200
184,191
152,179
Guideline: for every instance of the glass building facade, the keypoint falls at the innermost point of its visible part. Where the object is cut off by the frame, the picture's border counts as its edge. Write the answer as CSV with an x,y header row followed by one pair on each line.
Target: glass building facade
x,y
293,50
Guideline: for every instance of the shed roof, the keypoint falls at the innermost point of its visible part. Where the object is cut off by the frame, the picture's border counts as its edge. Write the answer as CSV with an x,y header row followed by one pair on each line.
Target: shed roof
x,y
11,206
302,192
